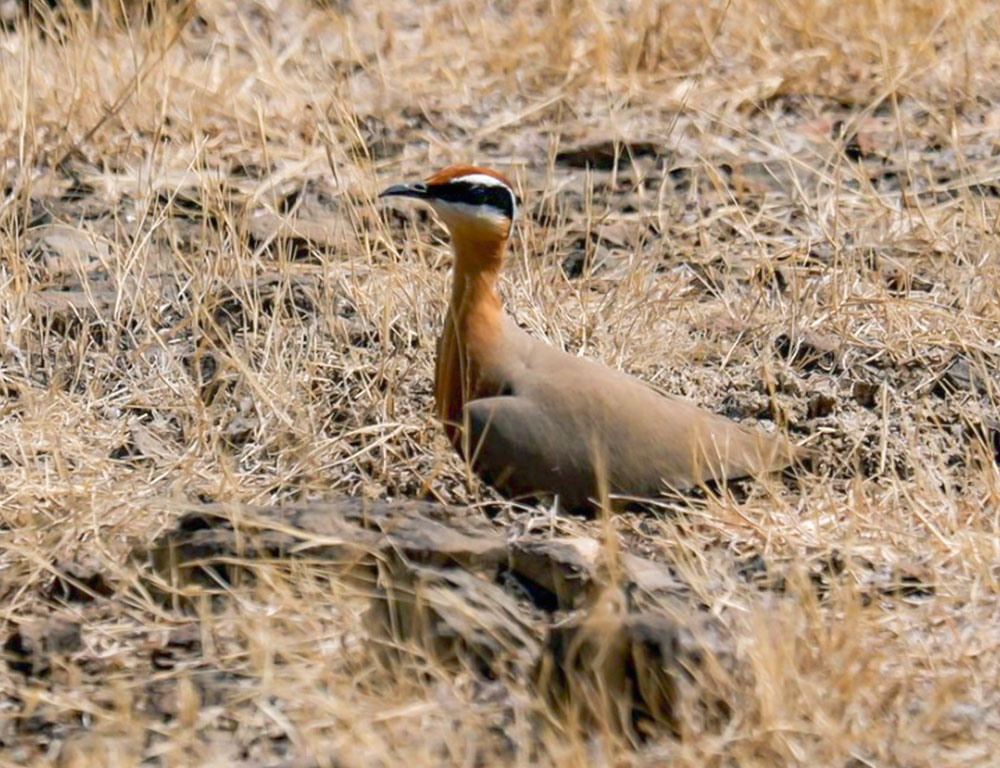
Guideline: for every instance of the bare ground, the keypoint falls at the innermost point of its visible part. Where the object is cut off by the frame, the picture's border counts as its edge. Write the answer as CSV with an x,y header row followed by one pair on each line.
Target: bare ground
x,y
786,211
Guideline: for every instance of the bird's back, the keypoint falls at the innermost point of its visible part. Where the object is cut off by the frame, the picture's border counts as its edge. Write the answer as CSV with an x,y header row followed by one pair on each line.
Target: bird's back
x,y
577,422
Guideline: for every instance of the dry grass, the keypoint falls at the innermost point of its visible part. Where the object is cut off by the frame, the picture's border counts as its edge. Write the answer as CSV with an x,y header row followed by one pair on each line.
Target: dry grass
x,y
201,300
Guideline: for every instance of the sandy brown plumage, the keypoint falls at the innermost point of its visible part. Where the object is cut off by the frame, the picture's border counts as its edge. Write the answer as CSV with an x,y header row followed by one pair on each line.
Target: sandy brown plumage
x,y
533,419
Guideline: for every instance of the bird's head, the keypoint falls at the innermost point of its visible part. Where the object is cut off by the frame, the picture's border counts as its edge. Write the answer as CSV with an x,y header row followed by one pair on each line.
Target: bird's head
x,y
473,202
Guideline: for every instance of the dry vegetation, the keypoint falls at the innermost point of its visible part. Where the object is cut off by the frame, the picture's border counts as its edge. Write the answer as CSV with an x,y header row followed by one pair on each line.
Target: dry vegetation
x,y
787,210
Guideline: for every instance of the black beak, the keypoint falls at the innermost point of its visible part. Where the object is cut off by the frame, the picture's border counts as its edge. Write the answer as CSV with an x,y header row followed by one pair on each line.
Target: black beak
x,y
417,189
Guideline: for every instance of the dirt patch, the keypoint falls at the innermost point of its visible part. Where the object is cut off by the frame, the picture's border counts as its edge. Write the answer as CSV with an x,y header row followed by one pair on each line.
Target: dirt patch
x,y
785,212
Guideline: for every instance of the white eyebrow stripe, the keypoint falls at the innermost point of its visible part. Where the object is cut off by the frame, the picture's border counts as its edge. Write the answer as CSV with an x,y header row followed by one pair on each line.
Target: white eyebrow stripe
x,y
480,178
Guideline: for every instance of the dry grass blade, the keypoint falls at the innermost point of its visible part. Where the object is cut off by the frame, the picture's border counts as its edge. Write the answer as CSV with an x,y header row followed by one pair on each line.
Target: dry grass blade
x,y
787,211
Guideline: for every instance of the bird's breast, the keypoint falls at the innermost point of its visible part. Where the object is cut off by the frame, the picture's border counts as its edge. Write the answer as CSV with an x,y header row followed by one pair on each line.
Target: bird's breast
x,y
471,362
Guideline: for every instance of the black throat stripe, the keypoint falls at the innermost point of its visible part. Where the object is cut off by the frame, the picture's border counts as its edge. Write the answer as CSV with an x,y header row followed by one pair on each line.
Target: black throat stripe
x,y
470,193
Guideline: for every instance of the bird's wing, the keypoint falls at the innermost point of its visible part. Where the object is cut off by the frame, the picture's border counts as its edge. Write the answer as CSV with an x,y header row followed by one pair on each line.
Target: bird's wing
x,y
650,439
572,420
519,448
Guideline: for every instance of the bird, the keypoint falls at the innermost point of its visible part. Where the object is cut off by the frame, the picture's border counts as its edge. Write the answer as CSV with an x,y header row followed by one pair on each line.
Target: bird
x,y
534,421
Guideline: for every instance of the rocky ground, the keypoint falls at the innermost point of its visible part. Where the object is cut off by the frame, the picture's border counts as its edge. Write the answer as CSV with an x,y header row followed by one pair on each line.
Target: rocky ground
x,y
231,531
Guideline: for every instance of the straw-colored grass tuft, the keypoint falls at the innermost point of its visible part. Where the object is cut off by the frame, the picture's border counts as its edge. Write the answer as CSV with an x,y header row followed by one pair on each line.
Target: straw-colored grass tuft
x,y
788,211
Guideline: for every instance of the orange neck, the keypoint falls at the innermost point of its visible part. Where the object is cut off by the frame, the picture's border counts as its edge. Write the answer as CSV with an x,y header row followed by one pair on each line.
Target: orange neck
x,y
472,327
